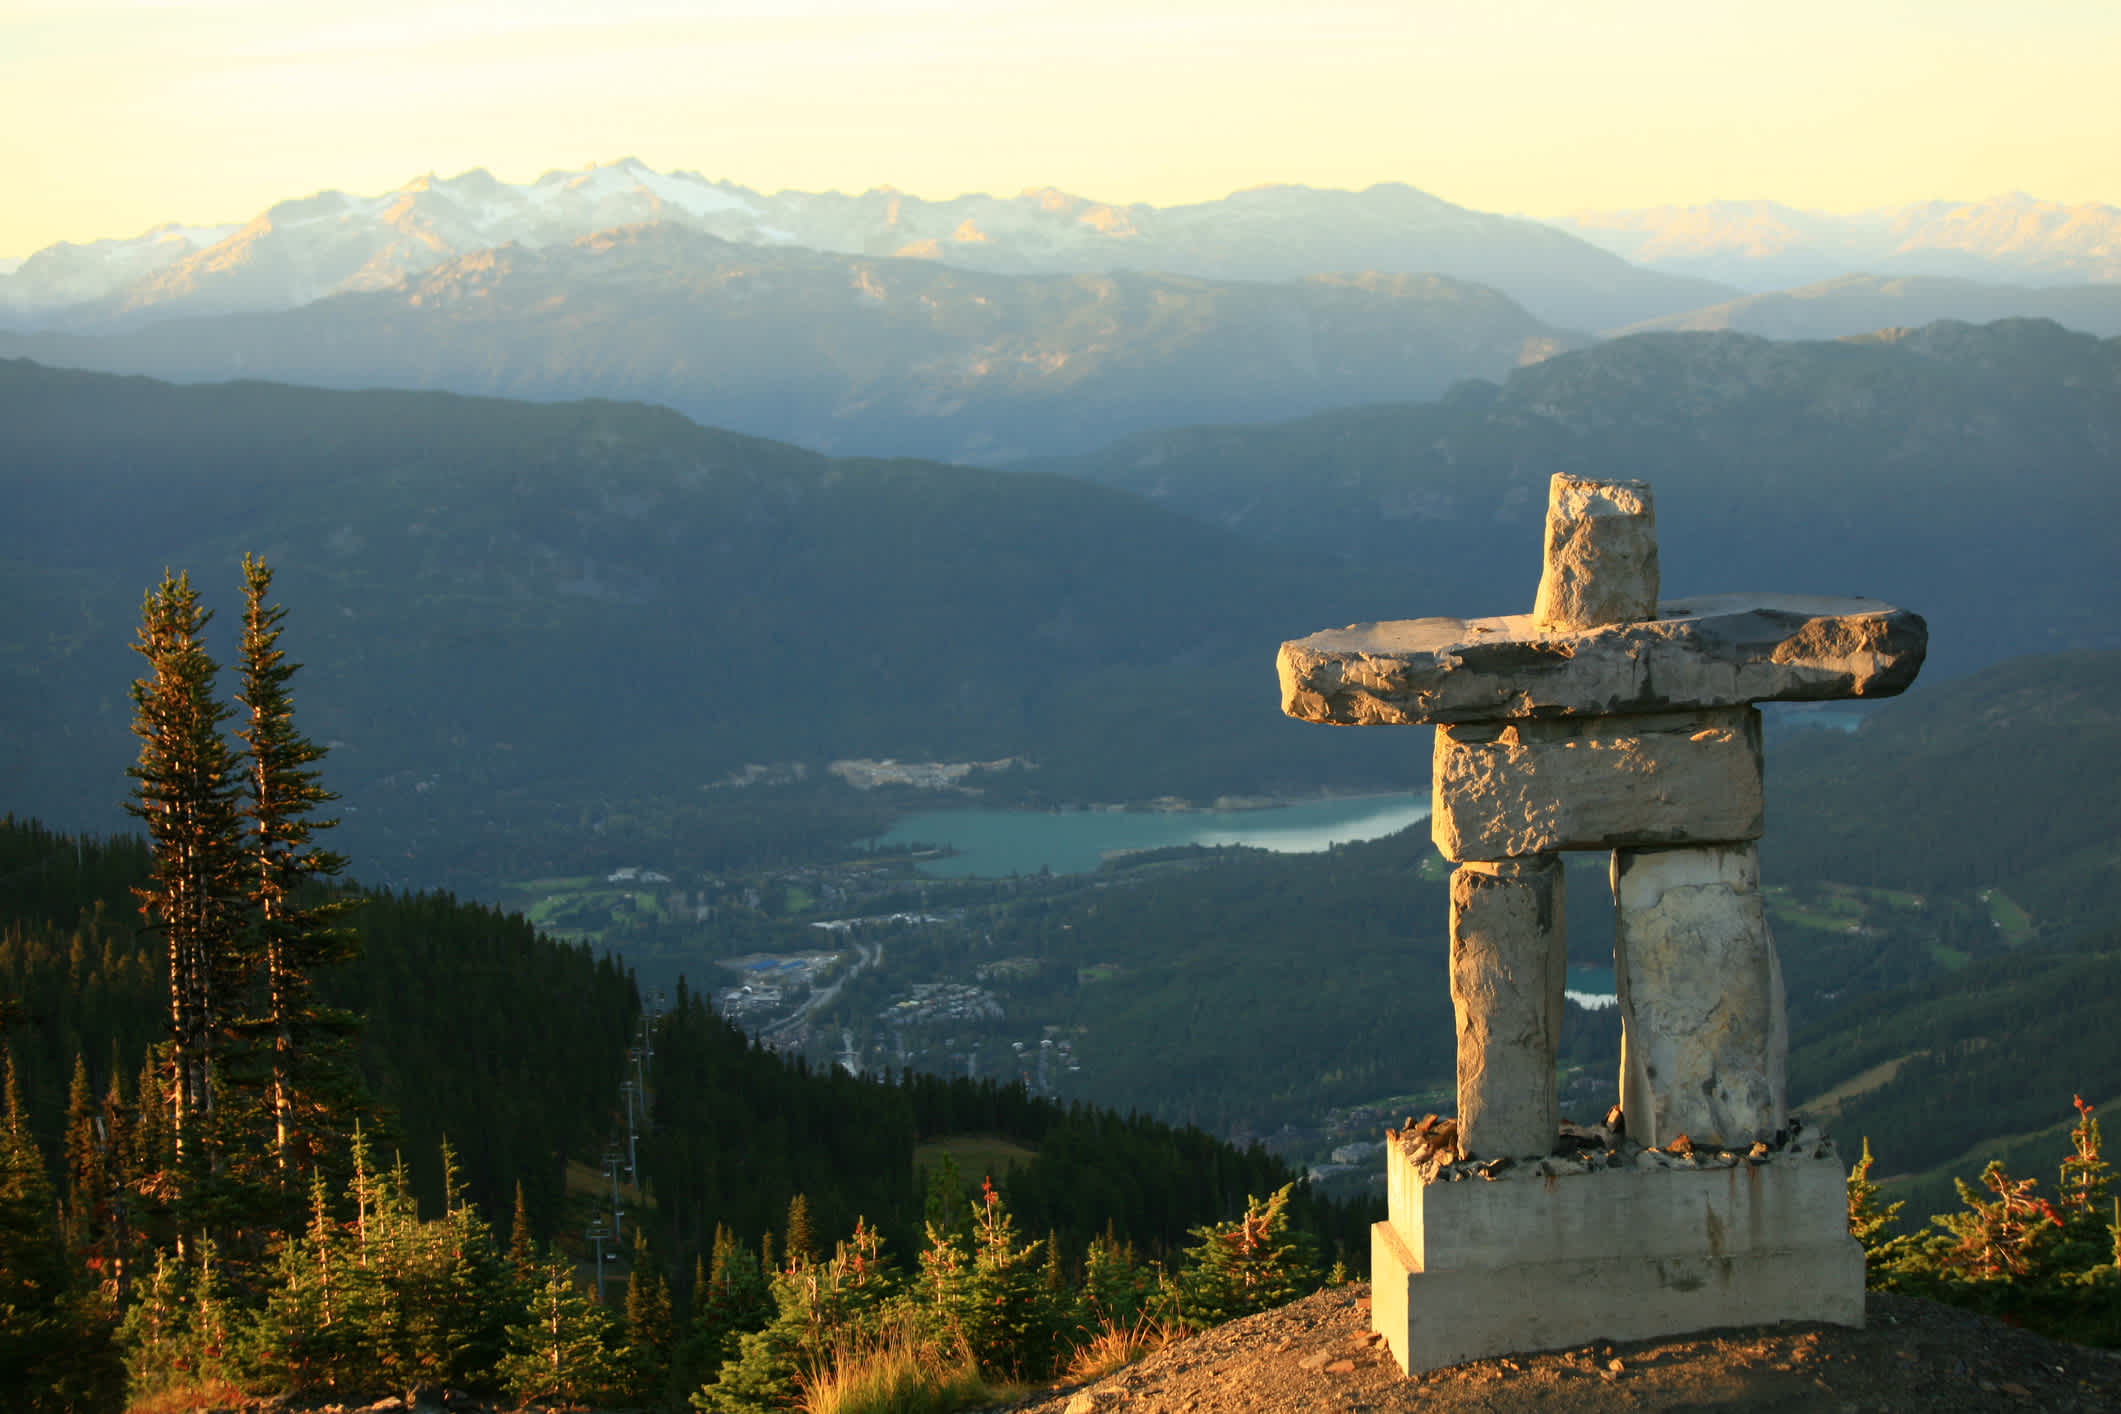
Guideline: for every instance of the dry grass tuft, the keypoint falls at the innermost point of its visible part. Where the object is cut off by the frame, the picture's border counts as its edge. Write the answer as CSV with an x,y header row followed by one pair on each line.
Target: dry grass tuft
x,y
189,1399
1115,1346
902,1370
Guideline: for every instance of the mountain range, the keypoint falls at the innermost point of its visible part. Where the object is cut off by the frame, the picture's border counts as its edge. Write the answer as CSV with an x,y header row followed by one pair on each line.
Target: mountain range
x,y
981,330
1859,304
850,353
1764,245
335,243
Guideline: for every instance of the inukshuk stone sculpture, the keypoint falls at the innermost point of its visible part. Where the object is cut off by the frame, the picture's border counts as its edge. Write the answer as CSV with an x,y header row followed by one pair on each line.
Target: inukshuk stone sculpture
x,y
1607,720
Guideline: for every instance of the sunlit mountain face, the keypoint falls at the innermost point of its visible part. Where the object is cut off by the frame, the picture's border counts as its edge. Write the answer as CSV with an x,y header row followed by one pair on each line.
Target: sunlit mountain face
x,y
333,243
1764,245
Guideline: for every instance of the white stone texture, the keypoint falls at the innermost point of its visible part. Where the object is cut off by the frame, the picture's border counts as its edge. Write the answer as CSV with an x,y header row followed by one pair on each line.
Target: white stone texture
x,y
1508,972
1462,1271
1704,1032
1601,554
1531,787
1719,651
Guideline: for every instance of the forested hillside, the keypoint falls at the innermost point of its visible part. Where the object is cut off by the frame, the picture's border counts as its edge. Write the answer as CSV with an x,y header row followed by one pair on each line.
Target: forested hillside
x,y
530,624
513,1047
1964,472
476,1030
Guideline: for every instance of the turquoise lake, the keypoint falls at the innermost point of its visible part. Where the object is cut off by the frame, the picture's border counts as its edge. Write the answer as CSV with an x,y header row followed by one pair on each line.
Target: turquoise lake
x,y
997,843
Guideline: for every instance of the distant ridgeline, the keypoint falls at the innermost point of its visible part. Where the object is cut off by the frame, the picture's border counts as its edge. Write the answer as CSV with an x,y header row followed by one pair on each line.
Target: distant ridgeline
x,y
545,636
512,1048
538,633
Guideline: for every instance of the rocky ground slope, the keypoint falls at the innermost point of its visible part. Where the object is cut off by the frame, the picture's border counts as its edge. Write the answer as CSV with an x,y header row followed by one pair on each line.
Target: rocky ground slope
x,y
1317,1355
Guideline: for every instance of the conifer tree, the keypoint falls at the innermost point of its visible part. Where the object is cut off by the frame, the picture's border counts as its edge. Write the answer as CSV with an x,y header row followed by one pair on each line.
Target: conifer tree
x,y
453,1284
184,794
734,1299
119,1174
150,1156
55,1348
799,1247
1871,1223
522,1243
1012,1320
565,1347
818,1306
1118,1287
308,1335
32,1261
1244,1266
312,1089
648,1331
87,1184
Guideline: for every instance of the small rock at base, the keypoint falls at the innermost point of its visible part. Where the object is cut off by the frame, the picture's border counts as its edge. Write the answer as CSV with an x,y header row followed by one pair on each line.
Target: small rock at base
x,y
1090,1401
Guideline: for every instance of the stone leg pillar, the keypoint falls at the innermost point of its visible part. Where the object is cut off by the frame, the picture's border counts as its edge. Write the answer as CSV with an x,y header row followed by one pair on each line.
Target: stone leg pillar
x,y
1507,975
1704,1036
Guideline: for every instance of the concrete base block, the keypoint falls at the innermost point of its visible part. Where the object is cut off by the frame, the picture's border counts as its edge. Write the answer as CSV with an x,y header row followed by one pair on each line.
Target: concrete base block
x,y
1468,1270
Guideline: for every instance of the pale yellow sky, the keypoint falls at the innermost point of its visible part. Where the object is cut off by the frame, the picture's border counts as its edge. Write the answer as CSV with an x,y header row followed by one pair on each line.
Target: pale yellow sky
x,y
119,114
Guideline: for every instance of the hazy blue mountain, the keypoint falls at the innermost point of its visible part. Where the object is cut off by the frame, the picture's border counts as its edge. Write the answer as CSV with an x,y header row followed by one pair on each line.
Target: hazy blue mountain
x,y
1966,472
333,242
1860,304
848,353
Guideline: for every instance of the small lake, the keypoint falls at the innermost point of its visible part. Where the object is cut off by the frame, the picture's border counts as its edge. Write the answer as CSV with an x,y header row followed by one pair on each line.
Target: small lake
x,y
997,843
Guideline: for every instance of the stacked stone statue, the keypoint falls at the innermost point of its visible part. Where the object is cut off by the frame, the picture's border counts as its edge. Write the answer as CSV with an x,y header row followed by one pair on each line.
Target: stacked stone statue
x,y
1608,720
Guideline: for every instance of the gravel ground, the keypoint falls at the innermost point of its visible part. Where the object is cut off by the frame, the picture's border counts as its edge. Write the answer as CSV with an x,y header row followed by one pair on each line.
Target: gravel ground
x,y
1317,1355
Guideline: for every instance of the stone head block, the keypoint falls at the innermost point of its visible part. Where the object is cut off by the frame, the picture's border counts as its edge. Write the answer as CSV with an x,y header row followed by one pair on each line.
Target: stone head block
x,y
1601,554
1504,790
1720,651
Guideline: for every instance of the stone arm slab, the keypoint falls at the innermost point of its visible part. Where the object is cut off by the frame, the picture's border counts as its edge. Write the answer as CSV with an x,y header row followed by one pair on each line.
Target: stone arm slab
x,y
1721,650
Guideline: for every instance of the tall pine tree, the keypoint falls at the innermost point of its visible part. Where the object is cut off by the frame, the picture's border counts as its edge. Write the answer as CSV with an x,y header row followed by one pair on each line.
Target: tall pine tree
x,y
312,1091
185,794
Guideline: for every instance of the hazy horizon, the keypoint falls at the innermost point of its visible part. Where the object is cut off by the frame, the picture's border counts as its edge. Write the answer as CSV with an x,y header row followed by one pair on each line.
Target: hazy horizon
x,y
127,114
